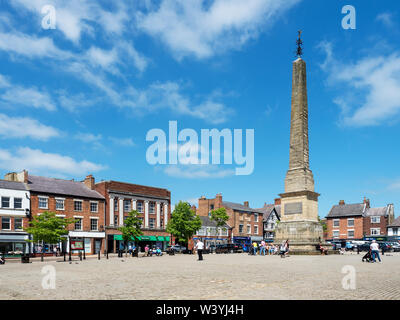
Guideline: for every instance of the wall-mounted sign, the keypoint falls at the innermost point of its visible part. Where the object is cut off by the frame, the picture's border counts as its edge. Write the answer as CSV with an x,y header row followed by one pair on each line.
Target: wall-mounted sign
x,y
293,208
76,244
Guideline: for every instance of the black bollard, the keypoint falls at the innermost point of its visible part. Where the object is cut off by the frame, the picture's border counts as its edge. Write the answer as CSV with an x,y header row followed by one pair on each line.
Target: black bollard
x,y
107,254
98,255
80,255
64,256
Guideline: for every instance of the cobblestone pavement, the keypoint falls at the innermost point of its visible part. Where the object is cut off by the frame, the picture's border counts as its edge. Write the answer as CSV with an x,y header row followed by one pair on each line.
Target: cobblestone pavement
x,y
230,276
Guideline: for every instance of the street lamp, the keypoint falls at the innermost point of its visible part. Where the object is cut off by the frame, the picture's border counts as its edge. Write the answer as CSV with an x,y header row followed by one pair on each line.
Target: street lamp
x,y
28,215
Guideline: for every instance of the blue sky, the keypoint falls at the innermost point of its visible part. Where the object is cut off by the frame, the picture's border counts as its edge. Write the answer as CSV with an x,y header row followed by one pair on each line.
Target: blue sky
x,y
80,98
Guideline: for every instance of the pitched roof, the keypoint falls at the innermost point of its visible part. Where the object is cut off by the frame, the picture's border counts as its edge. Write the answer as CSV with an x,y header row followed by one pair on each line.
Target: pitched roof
x,y
240,207
61,187
381,211
395,223
5,184
268,208
207,222
346,210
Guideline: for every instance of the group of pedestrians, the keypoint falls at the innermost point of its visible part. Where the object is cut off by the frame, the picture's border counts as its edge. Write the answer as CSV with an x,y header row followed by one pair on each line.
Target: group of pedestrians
x,y
262,249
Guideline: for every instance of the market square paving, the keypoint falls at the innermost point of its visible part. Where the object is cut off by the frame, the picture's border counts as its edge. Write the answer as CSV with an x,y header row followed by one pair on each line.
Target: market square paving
x,y
224,276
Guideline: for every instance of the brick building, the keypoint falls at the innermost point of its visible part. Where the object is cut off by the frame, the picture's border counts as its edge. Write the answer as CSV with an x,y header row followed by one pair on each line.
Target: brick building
x,y
153,205
246,223
358,221
209,234
14,212
68,199
393,230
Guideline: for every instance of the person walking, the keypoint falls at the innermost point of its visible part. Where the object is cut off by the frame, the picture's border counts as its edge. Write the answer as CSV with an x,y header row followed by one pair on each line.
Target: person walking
x,y
375,251
255,248
262,248
199,247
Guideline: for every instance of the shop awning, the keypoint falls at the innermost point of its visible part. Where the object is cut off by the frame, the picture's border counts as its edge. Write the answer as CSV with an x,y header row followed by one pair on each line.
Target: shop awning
x,y
160,238
118,237
153,238
166,238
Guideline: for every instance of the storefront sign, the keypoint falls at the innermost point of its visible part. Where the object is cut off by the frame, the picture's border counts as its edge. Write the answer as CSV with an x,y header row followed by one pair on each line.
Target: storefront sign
x,y
76,244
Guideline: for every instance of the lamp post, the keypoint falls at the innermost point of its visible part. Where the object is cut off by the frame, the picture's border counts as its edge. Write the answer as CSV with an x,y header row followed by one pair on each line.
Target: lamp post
x,y
28,215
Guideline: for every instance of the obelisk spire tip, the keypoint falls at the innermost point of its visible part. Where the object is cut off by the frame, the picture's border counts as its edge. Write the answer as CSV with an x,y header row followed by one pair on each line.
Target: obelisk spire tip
x,y
299,42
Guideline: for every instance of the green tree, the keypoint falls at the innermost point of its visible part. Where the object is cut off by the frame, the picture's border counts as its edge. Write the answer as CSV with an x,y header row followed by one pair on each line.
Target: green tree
x,y
131,230
323,224
183,223
220,217
48,228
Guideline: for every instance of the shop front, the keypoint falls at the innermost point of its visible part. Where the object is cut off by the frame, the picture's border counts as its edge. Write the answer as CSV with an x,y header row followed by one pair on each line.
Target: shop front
x,y
91,242
152,241
13,245
242,240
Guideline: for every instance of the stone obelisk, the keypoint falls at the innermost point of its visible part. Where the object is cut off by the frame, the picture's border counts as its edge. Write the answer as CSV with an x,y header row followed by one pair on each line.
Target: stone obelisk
x,y
299,204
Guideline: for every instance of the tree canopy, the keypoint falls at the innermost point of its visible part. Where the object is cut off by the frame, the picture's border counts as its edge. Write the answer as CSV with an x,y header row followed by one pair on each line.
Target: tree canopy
x,y
131,228
47,227
183,223
219,216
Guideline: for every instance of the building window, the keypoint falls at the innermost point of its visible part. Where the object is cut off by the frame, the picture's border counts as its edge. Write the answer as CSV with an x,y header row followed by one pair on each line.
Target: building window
x,y
255,229
127,205
350,222
152,207
43,203
115,220
375,231
211,207
141,221
94,224
335,233
140,207
202,232
78,224
152,223
60,205
18,223
350,233
248,229
6,223
240,228
395,231
77,205
336,223
115,204
17,203
5,202
376,219
94,207
256,217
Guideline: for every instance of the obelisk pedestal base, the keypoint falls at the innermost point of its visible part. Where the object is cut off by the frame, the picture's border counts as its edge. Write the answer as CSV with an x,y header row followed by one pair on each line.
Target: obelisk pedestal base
x,y
303,236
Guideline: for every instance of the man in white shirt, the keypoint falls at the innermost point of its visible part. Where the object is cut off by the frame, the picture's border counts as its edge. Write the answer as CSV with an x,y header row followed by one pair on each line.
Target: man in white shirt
x,y
199,247
375,250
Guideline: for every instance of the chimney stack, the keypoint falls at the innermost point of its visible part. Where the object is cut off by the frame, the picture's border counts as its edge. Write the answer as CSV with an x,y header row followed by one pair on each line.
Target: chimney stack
x,y
218,201
17,177
341,202
277,201
246,204
89,182
366,201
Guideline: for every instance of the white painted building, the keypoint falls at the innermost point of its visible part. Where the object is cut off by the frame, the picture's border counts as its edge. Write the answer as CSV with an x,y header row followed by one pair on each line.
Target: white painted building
x,y
14,208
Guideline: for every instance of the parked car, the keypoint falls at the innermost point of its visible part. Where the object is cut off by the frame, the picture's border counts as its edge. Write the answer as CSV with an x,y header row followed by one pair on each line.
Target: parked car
x,y
176,248
228,248
396,247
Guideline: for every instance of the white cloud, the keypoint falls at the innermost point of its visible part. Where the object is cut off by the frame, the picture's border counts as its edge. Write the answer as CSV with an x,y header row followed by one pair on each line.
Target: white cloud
x,y
25,128
37,161
386,18
31,46
30,97
203,28
88,137
371,94
125,142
